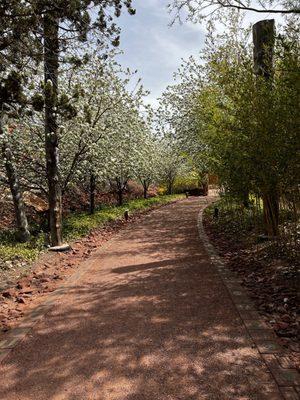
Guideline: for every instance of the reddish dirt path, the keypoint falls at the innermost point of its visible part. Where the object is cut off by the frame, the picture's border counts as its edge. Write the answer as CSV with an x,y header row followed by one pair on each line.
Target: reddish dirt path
x,y
149,320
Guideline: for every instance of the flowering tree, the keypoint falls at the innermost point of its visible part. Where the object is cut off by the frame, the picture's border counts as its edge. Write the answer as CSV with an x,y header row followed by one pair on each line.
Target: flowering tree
x,y
171,162
148,166
101,130
127,143
15,66
51,27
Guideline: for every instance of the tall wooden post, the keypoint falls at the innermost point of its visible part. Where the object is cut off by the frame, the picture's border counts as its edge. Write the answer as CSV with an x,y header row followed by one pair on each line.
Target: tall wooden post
x,y
264,41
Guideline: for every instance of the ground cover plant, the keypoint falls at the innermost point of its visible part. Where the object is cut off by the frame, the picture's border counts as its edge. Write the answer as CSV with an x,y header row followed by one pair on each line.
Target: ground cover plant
x,y
75,226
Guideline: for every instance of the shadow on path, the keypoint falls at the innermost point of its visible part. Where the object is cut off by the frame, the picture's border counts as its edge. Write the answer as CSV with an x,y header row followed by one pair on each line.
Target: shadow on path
x,y
151,320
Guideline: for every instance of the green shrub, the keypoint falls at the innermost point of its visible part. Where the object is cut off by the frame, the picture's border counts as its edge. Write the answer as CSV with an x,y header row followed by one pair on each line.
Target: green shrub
x,y
75,226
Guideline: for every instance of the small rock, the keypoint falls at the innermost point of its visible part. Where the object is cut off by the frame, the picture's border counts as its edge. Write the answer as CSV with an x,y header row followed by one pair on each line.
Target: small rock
x,y
295,347
20,300
5,328
8,294
12,314
61,248
43,280
27,291
70,264
23,283
47,289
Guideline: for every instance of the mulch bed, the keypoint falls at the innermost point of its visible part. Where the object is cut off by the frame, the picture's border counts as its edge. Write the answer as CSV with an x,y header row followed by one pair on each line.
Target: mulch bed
x,y
271,280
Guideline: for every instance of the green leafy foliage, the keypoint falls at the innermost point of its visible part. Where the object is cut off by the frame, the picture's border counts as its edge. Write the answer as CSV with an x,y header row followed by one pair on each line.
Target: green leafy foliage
x,y
241,127
11,249
75,226
78,225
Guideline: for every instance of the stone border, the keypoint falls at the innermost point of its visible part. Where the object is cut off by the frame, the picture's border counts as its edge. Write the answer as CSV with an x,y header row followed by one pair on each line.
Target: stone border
x,y
262,337
260,334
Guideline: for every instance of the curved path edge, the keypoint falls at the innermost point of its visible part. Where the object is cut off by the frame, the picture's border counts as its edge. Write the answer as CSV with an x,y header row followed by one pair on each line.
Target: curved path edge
x,y
144,267
262,336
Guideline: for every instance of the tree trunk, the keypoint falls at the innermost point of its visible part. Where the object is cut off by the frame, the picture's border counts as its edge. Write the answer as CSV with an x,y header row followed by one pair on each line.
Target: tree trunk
x,y
205,188
264,40
92,193
51,53
170,186
21,219
271,213
120,197
145,187
246,198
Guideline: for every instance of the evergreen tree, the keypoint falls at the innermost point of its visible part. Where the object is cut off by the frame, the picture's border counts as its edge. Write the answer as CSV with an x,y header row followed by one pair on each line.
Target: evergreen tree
x,y
50,28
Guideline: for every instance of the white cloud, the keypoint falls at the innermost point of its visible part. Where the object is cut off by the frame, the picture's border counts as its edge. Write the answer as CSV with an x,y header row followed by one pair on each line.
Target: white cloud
x,y
156,49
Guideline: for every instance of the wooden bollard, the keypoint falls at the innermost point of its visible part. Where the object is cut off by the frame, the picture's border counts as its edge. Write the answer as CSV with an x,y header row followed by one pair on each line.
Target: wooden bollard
x,y
126,215
216,213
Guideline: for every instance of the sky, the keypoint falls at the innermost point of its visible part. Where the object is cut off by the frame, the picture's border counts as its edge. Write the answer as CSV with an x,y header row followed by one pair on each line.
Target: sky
x,y
154,48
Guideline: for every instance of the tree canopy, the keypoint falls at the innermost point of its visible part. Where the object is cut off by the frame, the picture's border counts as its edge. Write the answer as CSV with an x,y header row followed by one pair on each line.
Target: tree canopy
x,y
199,9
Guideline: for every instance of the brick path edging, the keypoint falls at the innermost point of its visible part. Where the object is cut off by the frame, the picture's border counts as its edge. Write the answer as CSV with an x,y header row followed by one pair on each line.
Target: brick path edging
x,y
261,335
263,338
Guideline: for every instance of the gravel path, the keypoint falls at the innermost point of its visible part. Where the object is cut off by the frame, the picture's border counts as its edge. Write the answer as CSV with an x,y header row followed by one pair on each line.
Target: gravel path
x,y
149,320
